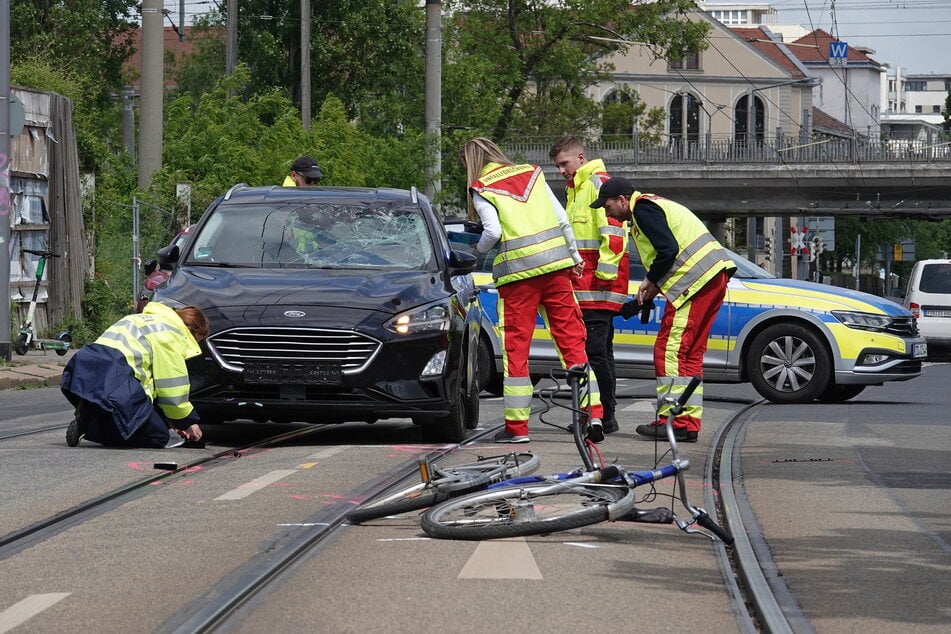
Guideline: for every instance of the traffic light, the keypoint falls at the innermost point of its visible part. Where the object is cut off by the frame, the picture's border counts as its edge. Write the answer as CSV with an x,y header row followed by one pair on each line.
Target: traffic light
x,y
768,247
897,252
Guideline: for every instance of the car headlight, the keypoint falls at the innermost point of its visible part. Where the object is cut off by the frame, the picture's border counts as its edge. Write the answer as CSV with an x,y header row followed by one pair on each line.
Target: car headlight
x,y
863,321
426,319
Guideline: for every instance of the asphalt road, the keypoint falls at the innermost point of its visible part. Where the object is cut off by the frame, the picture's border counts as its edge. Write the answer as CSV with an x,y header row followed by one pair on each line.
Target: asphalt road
x,y
852,499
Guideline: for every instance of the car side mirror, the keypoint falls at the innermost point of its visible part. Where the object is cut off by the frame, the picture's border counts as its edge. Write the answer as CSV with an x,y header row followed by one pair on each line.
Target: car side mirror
x,y
150,266
167,256
461,262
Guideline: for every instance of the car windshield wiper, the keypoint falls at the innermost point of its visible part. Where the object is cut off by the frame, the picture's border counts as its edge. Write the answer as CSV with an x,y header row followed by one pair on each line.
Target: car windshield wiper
x,y
223,265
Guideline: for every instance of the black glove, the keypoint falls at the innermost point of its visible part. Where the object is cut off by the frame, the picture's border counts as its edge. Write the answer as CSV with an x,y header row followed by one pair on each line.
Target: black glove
x,y
630,308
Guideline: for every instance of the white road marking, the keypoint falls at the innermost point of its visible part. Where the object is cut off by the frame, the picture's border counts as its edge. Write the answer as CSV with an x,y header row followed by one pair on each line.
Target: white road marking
x,y
581,545
501,559
307,524
21,612
405,539
257,484
644,405
327,452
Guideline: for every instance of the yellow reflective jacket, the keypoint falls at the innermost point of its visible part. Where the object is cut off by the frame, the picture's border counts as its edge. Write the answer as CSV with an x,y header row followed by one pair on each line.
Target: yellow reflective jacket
x,y
532,241
699,255
155,344
601,242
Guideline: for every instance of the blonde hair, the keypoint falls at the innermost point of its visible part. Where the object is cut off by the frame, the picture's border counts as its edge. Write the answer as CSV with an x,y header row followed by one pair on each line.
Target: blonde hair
x,y
474,156
195,321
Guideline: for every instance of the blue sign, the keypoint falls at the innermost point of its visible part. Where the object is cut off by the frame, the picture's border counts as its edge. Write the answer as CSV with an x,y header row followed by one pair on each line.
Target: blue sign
x,y
838,50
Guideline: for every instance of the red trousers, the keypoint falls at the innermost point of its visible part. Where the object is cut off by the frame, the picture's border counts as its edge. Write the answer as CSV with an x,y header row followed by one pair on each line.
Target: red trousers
x,y
681,343
519,304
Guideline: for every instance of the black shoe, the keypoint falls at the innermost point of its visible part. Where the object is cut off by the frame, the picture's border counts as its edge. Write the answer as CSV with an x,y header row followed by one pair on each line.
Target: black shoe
x,y
78,426
595,431
72,433
610,425
660,431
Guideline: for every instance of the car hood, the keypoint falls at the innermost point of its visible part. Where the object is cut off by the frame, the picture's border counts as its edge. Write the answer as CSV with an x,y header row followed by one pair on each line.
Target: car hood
x,y
811,295
325,298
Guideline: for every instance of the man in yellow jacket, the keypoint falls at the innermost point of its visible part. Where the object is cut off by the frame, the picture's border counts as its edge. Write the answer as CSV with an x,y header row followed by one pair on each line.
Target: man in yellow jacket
x,y
131,386
601,289
691,269
304,173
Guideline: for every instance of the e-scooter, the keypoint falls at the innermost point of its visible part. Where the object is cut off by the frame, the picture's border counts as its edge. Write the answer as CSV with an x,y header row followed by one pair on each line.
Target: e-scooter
x,y
27,339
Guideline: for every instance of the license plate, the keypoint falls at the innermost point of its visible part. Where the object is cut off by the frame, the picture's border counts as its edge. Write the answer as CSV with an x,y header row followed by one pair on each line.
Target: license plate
x,y
936,312
920,350
292,372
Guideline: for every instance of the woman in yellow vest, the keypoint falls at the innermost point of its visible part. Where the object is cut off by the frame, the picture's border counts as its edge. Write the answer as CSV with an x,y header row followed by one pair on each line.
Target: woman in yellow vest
x,y
532,272
687,264
130,387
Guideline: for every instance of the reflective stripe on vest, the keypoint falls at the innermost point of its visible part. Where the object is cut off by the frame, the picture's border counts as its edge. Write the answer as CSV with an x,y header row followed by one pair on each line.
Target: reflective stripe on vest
x,y
532,241
700,256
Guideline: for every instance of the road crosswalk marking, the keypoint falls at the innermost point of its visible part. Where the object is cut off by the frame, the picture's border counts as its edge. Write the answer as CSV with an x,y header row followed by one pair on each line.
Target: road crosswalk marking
x,y
24,610
501,559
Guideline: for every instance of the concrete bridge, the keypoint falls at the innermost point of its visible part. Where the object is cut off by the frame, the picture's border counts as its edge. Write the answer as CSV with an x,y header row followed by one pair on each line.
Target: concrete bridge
x,y
728,180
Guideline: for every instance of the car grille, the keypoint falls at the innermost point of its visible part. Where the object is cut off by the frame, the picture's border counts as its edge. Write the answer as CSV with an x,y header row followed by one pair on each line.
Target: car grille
x,y
353,351
903,327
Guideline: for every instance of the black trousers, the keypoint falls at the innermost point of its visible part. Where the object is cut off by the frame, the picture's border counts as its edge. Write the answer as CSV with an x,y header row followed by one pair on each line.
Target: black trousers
x,y
599,347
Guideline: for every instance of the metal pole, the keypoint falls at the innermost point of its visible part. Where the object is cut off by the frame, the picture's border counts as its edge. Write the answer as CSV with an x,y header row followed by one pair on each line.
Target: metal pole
x,y
433,90
231,37
305,63
6,352
135,248
128,122
858,259
150,123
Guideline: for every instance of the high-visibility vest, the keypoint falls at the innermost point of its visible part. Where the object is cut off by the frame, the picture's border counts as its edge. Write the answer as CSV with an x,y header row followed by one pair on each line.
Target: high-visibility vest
x,y
601,241
288,182
699,258
155,344
532,242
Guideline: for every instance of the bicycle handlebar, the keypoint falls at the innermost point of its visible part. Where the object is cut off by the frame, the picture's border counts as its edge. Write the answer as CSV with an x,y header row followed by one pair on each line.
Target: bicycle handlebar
x,y
704,520
42,254
687,393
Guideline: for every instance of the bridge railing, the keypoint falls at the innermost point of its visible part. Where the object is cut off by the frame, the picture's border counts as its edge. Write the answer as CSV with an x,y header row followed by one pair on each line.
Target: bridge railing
x,y
775,151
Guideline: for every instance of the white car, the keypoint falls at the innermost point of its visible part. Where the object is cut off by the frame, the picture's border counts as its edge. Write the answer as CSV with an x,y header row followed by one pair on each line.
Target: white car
x,y
928,297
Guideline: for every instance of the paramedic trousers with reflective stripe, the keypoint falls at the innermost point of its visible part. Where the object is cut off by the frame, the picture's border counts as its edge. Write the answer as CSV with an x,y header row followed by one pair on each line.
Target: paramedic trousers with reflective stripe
x,y
519,304
681,343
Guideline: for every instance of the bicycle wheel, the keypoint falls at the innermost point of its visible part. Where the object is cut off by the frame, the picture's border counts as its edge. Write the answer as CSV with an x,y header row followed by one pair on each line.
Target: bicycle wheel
x,y
450,481
532,509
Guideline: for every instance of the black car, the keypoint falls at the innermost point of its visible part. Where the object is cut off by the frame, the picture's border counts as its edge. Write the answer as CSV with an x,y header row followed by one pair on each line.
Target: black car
x,y
329,305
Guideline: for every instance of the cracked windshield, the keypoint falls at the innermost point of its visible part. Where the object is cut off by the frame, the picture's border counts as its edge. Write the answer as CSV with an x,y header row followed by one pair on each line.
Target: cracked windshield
x,y
326,236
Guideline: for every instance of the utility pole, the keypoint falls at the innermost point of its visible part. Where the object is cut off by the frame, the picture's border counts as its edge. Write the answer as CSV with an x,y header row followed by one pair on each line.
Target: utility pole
x,y
6,352
305,63
128,122
433,90
153,80
231,37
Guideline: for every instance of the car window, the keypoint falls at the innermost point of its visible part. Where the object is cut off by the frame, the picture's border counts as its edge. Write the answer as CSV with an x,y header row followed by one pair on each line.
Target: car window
x,y
315,235
935,278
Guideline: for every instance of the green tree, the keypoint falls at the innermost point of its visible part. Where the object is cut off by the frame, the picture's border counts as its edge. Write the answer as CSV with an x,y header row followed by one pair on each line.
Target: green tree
x,y
624,113
534,54
54,43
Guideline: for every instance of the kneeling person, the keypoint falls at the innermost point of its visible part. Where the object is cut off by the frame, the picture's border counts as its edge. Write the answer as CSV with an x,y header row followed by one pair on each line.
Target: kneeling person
x,y
130,387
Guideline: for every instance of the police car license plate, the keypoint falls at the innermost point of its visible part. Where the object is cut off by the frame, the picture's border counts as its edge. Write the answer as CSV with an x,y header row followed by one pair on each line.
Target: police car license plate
x,y
292,372
920,350
937,312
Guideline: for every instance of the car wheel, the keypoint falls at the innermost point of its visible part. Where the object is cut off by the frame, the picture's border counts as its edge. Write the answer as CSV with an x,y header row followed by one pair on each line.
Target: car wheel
x,y
840,393
451,428
489,380
789,363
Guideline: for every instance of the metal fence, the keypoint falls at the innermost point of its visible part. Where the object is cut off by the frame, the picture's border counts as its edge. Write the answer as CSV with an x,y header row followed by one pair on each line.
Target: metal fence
x,y
777,151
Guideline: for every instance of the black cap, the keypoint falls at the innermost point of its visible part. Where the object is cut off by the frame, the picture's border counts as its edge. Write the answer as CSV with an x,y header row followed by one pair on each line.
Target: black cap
x,y
308,167
612,187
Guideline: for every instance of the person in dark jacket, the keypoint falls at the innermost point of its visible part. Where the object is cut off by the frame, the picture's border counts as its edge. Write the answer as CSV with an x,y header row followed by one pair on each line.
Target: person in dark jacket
x,y
130,387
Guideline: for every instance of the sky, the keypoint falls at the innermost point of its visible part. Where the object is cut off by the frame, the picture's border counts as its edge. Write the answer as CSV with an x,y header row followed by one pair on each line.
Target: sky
x,y
914,34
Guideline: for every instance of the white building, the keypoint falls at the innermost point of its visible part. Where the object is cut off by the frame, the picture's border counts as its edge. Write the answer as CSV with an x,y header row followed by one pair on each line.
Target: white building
x,y
914,106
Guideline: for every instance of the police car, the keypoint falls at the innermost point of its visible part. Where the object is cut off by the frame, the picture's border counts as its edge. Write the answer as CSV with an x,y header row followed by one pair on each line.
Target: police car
x,y
795,341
